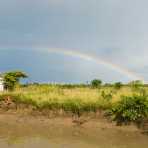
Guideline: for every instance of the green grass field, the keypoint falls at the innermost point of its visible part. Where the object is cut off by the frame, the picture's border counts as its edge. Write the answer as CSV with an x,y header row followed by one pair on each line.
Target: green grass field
x,y
82,98
124,105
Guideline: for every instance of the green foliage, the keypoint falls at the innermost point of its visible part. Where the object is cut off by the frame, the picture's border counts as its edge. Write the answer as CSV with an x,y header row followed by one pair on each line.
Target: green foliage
x,y
78,100
96,83
75,106
71,86
108,85
142,92
117,85
136,84
11,79
106,96
130,109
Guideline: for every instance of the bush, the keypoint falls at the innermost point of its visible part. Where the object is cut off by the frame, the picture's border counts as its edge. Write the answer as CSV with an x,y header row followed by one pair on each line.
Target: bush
x,y
106,96
135,85
130,109
96,83
117,85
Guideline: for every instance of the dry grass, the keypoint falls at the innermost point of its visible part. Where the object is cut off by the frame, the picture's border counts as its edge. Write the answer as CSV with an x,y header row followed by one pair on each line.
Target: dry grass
x,y
71,99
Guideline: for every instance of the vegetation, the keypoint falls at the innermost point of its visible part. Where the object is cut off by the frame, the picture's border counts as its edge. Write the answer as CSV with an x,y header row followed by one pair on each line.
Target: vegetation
x,y
118,85
96,83
130,109
124,103
11,79
55,96
136,84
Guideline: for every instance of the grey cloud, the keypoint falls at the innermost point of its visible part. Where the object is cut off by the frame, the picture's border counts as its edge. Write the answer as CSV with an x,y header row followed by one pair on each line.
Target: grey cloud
x,y
114,30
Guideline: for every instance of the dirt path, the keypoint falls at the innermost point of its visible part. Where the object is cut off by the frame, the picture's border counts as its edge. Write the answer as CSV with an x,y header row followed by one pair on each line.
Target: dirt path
x,y
27,131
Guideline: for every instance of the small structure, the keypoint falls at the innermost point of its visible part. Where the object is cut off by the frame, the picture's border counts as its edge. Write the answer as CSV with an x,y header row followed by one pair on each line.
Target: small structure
x,y
1,84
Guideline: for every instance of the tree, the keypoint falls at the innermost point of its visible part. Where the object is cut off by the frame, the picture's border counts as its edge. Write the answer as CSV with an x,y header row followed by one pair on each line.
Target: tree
x,y
96,83
117,85
136,84
107,84
11,79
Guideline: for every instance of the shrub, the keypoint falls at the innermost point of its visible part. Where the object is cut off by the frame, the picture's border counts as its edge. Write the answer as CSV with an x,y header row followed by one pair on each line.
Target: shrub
x,y
96,83
135,85
130,109
117,85
106,96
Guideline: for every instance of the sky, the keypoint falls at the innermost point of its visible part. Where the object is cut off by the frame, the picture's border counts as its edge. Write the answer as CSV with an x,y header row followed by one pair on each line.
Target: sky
x,y
112,31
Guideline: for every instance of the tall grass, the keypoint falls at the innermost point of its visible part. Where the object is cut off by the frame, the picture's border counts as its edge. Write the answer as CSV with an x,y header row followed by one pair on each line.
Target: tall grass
x,y
73,99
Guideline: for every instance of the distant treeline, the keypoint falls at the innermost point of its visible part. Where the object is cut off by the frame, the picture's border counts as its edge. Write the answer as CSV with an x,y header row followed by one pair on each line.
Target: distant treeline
x,y
75,85
11,80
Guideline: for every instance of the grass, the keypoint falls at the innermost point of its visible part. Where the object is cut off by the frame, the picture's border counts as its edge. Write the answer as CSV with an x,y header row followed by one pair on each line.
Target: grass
x,y
74,99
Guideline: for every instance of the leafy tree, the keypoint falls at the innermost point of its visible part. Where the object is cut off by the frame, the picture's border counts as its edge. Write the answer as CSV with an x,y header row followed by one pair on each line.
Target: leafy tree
x,y
108,84
136,84
12,79
117,85
96,83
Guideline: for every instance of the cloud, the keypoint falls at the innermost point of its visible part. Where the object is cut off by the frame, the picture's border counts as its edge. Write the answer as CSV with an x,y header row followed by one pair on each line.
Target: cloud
x,y
114,30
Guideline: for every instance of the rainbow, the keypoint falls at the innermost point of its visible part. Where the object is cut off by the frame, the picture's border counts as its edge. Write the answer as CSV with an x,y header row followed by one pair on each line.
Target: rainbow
x,y
90,57
71,52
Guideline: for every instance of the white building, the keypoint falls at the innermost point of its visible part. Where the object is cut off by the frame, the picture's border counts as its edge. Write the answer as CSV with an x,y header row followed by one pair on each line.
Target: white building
x,y
1,84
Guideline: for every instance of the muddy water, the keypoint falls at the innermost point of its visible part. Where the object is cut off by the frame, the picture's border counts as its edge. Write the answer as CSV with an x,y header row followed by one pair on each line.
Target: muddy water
x,y
40,132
